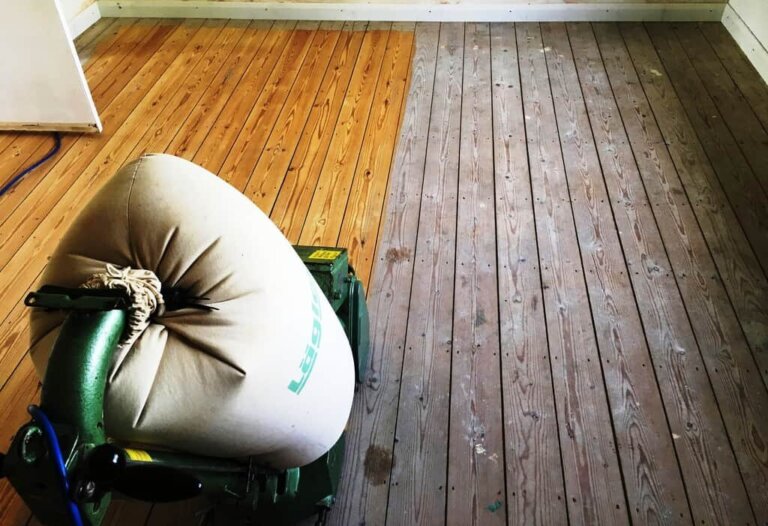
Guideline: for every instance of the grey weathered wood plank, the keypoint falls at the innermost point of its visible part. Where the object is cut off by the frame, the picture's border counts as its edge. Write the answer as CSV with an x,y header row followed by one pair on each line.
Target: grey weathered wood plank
x,y
712,479
739,181
744,192
535,489
417,493
736,263
652,478
746,77
738,387
476,447
733,106
591,468
367,464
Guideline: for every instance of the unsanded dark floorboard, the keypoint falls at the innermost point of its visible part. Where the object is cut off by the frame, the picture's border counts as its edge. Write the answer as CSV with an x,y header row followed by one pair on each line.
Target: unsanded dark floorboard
x,y
586,327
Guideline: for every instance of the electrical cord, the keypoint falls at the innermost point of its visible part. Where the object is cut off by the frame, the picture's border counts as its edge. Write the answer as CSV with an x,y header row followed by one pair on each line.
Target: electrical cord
x,y
58,460
15,180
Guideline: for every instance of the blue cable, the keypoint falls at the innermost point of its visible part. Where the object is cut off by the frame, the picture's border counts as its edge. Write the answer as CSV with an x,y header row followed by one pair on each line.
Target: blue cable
x,y
58,460
53,151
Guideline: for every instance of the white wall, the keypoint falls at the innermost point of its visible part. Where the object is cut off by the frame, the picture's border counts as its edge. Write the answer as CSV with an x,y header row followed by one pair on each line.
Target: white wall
x,y
79,14
747,21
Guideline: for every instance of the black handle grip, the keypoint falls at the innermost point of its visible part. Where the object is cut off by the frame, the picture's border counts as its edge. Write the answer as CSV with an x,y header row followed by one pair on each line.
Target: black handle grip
x,y
154,483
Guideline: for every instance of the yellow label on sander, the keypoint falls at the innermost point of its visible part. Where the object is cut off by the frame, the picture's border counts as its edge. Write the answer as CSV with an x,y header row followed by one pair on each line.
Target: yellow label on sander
x,y
138,455
325,255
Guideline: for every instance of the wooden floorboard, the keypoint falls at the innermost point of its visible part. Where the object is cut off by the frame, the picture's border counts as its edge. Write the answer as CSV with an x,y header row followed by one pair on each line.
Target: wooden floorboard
x,y
362,215
687,251
476,492
661,309
305,165
366,477
652,479
736,111
745,76
329,201
270,171
418,488
217,144
590,464
219,95
561,228
726,354
535,487
255,131
741,184
736,263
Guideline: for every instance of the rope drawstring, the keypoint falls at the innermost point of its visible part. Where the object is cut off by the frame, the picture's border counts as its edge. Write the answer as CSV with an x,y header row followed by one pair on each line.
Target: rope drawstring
x,y
143,287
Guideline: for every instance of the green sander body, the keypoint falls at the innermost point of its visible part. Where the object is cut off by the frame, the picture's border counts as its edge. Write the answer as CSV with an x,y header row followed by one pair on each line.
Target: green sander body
x,y
67,470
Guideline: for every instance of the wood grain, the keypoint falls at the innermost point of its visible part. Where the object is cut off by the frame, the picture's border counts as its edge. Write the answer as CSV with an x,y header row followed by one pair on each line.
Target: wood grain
x,y
218,142
652,478
269,173
694,416
477,492
256,129
736,263
128,37
730,365
535,489
305,167
219,94
591,469
417,492
171,115
87,41
736,111
740,183
329,201
747,79
369,454
360,225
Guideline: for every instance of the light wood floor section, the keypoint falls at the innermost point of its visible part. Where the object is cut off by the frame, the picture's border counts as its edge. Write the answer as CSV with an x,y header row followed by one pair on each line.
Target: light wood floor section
x,y
301,117
569,302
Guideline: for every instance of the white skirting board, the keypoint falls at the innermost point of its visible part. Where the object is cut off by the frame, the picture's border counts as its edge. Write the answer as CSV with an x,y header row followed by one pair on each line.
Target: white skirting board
x,y
474,12
85,19
747,41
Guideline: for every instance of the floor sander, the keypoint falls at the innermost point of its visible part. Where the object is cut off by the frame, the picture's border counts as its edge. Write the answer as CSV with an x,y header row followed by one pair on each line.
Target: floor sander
x,y
78,452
